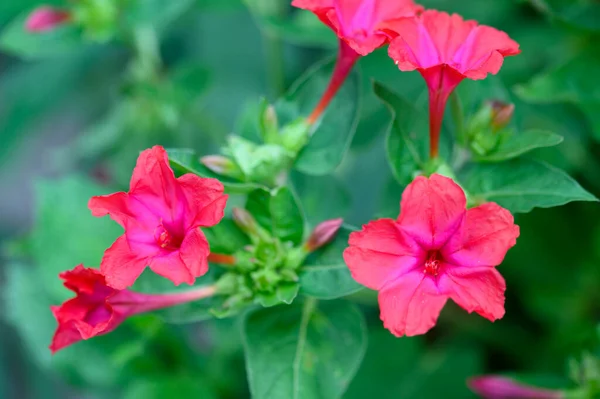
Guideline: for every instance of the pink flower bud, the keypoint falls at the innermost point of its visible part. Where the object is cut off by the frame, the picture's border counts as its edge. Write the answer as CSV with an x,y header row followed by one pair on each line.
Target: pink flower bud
x,y
46,18
497,387
502,113
323,234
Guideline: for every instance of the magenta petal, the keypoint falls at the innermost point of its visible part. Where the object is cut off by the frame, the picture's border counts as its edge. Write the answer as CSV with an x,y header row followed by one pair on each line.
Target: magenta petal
x,y
411,305
120,266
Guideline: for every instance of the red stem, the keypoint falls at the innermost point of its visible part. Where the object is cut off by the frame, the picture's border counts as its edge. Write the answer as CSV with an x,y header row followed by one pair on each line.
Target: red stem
x,y
347,57
221,259
437,106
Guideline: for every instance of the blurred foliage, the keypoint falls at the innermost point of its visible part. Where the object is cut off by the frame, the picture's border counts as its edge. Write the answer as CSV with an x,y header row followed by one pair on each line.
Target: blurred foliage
x,y
184,75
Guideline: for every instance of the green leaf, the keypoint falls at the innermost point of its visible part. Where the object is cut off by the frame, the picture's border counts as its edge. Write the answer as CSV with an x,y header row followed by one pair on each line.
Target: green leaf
x,y
324,275
322,197
407,142
521,185
65,233
54,43
279,212
404,368
187,161
156,13
303,351
180,386
332,136
151,283
582,14
521,143
225,237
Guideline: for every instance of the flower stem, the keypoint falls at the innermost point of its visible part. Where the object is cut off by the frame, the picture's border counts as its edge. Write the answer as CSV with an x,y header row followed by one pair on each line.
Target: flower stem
x,y
137,302
437,105
221,259
347,57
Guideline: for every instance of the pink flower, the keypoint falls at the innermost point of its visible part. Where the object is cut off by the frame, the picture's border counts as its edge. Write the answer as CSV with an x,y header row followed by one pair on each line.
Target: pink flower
x,y
497,387
359,26
445,49
46,18
435,250
98,309
161,216
359,22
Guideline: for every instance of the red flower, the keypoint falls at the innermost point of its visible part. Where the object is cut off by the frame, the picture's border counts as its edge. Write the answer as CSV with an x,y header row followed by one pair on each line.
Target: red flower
x,y
445,49
46,18
359,22
161,216
435,250
99,309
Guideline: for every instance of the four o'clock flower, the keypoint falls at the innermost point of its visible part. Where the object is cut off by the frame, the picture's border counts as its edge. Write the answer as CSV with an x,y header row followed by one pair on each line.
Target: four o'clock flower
x,y
435,250
161,216
98,309
359,26
498,387
445,49
46,18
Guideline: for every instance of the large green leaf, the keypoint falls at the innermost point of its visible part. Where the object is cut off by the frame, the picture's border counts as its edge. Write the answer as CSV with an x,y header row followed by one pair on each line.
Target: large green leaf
x,y
303,351
179,386
402,368
521,185
279,212
324,275
407,142
322,197
521,143
57,42
332,135
225,237
187,161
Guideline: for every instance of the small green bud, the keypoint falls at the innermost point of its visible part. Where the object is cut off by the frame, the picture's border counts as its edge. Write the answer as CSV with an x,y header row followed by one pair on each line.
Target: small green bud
x,y
269,125
222,166
295,257
295,135
227,284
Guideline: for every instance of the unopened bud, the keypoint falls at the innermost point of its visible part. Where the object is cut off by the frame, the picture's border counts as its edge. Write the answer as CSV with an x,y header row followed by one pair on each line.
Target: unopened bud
x,y
295,135
498,387
46,18
221,165
245,221
502,114
323,234
269,125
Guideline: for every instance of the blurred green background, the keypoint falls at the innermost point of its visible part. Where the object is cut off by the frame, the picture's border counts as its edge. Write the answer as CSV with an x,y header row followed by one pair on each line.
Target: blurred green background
x,y
75,112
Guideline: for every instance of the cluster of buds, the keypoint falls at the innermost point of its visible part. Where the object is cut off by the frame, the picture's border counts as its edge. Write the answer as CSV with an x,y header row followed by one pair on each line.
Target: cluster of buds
x,y
266,271
264,163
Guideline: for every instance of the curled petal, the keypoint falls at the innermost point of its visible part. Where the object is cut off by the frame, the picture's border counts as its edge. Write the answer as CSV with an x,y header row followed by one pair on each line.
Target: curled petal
x,y
205,199
476,290
487,234
432,209
120,266
411,305
381,252
115,205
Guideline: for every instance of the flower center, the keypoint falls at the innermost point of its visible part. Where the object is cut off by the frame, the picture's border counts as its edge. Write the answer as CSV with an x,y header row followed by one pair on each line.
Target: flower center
x,y
164,239
433,263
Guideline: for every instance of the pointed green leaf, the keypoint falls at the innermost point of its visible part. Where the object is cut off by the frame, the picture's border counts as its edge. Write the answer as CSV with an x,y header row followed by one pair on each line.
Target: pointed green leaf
x,y
303,351
324,274
333,133
521,185
521,143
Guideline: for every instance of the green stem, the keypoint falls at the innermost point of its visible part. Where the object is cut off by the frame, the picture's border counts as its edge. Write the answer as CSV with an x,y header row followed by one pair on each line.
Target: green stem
x,y
457,111
148,61
274,51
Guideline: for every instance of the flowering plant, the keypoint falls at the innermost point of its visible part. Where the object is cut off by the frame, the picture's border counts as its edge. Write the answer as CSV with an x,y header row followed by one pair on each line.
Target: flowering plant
x,y
249,239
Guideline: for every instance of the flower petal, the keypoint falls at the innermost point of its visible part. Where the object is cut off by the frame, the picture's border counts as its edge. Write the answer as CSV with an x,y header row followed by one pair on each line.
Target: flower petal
x,y
488,232
411,305
154,185
66,334
432,209
381,252
205,200
115,205
478,290
120,266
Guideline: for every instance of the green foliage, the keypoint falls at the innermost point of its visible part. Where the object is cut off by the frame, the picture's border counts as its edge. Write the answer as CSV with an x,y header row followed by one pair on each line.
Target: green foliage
x,y
324,274
333,133
521,185
309,350
518,144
